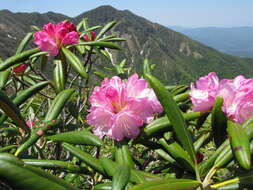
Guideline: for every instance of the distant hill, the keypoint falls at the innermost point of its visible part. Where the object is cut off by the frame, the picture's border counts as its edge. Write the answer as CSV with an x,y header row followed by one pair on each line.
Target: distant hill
x,y
235,40
178,58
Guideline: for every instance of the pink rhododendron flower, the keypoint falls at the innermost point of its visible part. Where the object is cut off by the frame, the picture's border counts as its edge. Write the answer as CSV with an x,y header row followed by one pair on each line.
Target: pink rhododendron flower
x,y
204,91
237,95
238,98
119,108
19,70
53,36
91,38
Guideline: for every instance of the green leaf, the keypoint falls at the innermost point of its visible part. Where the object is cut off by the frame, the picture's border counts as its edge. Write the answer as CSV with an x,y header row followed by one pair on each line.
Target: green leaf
x,y
243,181
58,103
166,156
218,122
146,68
4,76
178,153
163,123
59,75
104,186
53,164
75,62
240,144
100,74
11,110
106,28
174,114
114,39
123,155
36,135
24,95
92,28
24,42
224,154
83,137
18,176
14,60
200,141
179,89
101,44
110,168
181,97
120,177
85,157
167,184
7,148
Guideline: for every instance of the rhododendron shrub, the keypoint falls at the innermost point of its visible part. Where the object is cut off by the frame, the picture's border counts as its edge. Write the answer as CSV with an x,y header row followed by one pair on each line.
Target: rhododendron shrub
x,y
67,123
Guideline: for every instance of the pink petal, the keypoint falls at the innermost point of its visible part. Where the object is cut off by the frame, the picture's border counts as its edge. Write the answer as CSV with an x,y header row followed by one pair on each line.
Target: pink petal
x,y
101,120
201,100
135,86
125,124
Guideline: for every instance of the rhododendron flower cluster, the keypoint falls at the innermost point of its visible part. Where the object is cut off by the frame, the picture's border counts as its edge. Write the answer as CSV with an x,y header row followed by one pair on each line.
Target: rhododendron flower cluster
x,y
119,108
92,36
237,95
19,70
53,36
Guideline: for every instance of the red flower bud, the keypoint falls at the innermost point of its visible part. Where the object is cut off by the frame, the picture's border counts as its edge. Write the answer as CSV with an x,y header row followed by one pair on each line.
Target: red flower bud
x,y
92,37
19,70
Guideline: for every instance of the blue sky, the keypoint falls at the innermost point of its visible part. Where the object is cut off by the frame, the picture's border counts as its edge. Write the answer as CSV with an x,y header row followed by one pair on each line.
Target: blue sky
x,y
187,13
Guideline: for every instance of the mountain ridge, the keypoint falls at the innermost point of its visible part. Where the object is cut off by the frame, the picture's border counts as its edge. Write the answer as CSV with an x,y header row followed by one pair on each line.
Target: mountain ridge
x,y
232,40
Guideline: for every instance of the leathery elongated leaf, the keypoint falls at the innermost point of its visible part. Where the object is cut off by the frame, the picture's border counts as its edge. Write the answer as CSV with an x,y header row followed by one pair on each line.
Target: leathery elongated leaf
x,y
22,177
12,111
83,137
240,144
103,186
85,157
163,123
123,155
52,164
59,75
167,184
4,75
36,135
224,154
58,103
106,28
24,95
218,122
110,168
101,44
75,62
239,182
16,59
174,114
178,153
24,42
120,177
